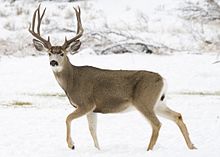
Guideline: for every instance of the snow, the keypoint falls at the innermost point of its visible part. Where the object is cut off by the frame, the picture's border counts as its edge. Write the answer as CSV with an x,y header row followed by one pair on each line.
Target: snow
x,y
39,129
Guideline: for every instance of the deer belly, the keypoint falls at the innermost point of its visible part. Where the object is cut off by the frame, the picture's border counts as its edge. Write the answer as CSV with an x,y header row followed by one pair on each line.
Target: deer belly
x,y
114,108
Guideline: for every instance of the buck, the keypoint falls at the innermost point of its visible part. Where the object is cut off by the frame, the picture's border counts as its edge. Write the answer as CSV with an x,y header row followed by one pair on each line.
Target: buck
x,y
92,90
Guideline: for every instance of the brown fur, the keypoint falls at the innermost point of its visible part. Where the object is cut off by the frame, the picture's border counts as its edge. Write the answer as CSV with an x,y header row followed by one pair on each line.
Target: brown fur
x,y
108,90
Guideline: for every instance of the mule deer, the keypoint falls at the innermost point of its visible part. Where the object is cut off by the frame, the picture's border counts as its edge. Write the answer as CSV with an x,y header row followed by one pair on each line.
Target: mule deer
x,y
92,90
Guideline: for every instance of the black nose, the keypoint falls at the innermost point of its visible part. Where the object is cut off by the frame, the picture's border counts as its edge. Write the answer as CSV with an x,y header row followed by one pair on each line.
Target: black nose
x,y
53,63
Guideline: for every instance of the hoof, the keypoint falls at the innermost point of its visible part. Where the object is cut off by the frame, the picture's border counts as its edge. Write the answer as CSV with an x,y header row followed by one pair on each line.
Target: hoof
x,y
97,147
73,147
70,144
192,147
148,149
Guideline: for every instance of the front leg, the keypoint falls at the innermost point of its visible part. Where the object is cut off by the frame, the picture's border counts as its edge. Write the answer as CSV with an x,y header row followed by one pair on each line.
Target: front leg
x,y
80,111
92,121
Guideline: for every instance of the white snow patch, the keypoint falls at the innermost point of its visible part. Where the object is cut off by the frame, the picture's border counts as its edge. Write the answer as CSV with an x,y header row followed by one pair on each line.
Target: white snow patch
x,y
39,129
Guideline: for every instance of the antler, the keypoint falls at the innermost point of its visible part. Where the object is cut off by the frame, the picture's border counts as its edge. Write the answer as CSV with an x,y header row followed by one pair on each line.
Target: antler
x,y
79,31
46,43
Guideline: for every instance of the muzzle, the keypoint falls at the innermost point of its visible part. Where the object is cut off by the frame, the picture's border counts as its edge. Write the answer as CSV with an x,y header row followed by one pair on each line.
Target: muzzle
x,y
53,63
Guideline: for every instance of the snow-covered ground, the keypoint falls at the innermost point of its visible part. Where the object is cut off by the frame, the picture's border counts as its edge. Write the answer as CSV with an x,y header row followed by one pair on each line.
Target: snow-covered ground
x,y
33,109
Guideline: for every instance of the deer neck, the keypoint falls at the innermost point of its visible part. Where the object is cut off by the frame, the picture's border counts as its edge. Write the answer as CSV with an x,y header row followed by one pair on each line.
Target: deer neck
x,y
67,75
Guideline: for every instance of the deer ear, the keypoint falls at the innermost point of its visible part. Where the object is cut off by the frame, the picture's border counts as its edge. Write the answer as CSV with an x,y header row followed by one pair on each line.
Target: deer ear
x,y
74,46
38,45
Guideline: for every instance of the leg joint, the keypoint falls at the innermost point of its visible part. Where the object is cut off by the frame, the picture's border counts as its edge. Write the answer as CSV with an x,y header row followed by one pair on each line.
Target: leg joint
x,y
92,128
68,119
179,117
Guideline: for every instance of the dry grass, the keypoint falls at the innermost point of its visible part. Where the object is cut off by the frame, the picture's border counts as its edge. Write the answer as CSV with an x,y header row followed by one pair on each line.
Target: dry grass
x,y
215,93
21,103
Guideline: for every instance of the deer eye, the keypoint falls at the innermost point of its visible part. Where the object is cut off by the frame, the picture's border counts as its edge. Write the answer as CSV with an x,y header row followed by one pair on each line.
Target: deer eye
x,y
61,54
49,54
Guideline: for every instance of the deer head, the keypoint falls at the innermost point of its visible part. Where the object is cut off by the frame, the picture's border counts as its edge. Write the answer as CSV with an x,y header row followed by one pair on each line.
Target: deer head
x,y
57,54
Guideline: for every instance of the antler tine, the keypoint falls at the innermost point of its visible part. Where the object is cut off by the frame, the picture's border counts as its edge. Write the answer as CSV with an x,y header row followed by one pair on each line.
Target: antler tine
x,y
78,13
46,43
79,24
40,19
79,31
33,20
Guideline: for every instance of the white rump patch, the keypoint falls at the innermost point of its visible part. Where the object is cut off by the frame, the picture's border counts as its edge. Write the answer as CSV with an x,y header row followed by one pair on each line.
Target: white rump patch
x,y
160,102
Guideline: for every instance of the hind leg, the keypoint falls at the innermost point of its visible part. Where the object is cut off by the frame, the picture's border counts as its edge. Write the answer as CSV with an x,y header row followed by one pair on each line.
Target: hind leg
x,y
155,124
163,111
155,133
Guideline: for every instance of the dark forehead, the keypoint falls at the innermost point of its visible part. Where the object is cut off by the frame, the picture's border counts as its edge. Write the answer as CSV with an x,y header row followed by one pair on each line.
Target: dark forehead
x,y
56,49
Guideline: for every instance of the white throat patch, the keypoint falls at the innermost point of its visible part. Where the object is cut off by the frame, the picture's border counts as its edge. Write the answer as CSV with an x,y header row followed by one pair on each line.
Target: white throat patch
x,y
57,68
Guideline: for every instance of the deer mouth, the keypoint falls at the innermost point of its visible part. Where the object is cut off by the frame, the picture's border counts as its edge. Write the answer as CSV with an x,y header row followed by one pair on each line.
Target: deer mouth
x,y
57,69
